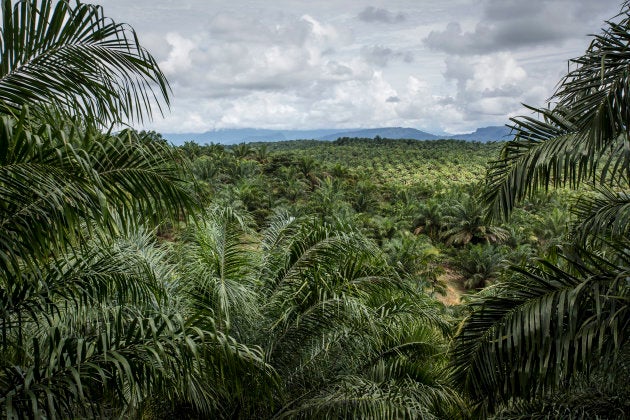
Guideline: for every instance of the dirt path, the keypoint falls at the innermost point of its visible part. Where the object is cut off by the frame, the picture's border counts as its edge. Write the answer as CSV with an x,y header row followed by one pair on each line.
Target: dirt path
x,y
454,287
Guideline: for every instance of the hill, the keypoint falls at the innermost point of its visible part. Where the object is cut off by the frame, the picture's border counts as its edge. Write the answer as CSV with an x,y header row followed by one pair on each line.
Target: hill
x,y
486,134
251,135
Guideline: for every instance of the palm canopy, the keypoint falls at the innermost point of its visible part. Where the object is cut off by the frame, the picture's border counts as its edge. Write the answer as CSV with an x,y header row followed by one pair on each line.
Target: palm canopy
x,y
78,61
581,137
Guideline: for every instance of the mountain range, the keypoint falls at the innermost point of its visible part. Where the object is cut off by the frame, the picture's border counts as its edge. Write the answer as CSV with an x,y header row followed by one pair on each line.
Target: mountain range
x,y
251,135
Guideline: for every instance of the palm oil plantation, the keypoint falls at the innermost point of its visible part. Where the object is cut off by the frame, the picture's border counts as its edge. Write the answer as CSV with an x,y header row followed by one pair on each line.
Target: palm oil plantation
x,y
359,278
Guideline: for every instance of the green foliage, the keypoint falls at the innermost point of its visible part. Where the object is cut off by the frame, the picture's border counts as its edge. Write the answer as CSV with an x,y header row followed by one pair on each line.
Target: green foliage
x,y
529,345
465,223
309,295
480,264
76,60
528,337
54,179
340,329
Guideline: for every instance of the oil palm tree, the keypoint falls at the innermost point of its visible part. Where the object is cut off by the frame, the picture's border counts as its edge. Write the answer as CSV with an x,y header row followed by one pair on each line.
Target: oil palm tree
x,y
465,223
344,335
562,320
347,335
87,324
98,332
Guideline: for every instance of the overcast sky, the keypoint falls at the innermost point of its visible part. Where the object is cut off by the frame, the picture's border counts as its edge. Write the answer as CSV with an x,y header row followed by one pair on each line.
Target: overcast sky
x,y
435,65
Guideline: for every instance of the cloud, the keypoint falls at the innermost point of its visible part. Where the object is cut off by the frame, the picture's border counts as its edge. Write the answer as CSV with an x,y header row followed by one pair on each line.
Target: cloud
x,y
500,36
287,64
507,25
179,55
233,58
372,14
381,56
490,85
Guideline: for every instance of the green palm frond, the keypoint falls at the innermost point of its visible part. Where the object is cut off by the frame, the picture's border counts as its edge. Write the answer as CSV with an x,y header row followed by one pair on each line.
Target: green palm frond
x,y
66,367
56,180
219,267
606,213
102,272
358,397
70,349
544,153
77,60
582,137
603,394
527,337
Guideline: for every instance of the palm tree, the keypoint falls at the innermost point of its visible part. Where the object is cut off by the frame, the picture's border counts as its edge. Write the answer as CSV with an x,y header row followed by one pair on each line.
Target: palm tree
x,y
348,337
98,331
564,321
344,335
465,223
87,323
430,219
480,264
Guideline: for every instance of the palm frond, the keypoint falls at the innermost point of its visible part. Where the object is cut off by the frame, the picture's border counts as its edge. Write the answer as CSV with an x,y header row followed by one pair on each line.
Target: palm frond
x,y
219,268
120,352
54,181
582,137
358,397
77,60
527,337
544,153
606,213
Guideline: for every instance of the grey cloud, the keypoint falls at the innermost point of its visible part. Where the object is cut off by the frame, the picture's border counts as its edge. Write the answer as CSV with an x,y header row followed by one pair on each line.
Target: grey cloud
x,y
381,56
510,91
448,100
234,28
373,14
393,99
512,24
337,69
491,38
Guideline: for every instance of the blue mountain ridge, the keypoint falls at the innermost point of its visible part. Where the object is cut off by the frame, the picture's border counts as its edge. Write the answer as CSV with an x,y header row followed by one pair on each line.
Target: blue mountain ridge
x,y
252,135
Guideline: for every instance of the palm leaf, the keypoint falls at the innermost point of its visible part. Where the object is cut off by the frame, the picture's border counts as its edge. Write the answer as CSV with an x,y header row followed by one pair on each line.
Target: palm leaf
x,y
526,338
219,270
54,180
74,58
583,137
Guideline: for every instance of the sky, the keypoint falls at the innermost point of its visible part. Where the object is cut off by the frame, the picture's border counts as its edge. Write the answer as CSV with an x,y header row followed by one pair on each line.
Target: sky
x,y
442,66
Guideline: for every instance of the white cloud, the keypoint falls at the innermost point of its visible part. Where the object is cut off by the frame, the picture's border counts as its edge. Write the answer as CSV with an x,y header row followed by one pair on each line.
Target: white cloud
x,y
327,64
179,55
489,86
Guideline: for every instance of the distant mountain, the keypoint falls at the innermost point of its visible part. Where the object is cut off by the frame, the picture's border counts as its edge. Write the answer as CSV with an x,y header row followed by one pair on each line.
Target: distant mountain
x,y
386,133
250,135
492,133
